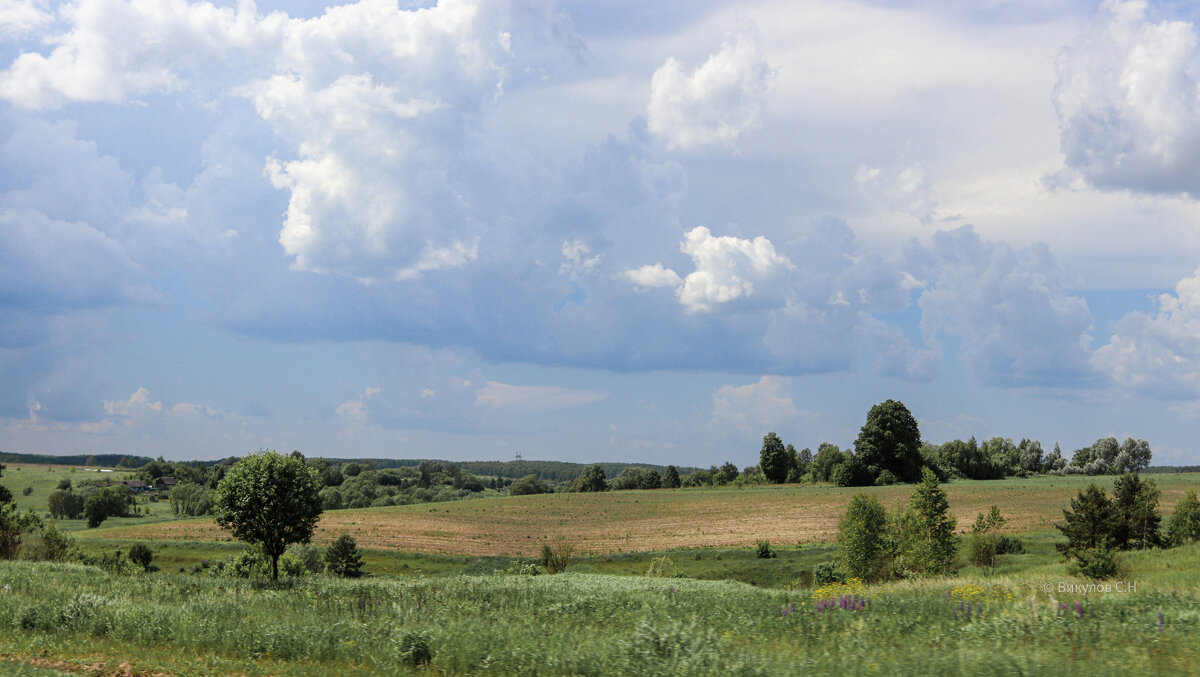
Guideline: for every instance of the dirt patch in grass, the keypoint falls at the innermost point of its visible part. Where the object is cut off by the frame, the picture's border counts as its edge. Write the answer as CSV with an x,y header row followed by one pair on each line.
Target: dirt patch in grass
x,y
97,668
640,521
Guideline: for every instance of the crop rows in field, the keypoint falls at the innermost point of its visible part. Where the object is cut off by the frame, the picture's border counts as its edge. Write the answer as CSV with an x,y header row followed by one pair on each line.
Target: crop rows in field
x,y
639,521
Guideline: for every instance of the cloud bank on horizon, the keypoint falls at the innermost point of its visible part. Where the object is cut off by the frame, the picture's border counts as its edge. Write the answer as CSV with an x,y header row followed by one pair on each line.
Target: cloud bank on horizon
x,y
465,228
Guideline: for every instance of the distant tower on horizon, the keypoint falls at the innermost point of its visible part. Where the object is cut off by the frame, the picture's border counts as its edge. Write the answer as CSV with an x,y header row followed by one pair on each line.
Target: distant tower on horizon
x,y
518,455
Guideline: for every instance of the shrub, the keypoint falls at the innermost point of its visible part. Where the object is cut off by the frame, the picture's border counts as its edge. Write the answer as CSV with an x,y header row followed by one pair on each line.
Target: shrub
x,y
56,546
520,568
1009,545
763,550
308,555
414,649
557,557
1097,563
985,541
64,485
141,555
13,525
529,484
826,573
342,558
291,566
1184,527
27,491
662,567
886,478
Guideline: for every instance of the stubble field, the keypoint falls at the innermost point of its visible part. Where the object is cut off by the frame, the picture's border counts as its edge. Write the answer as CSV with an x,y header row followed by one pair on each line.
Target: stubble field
x,y
640,521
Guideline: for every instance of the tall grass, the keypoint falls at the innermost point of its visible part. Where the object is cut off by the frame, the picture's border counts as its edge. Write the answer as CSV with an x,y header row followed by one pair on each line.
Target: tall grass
x,y
596,625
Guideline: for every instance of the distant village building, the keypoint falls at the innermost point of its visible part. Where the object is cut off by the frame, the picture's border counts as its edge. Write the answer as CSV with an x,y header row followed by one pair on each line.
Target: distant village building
x,y
164,483
137,486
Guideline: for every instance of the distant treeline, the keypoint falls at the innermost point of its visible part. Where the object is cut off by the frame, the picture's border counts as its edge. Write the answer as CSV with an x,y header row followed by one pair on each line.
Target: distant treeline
x,y
105,460
1169,469
550,471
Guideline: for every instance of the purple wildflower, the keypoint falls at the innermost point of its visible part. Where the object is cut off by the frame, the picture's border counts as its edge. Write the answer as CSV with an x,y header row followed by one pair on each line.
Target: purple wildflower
x,y
1079,609
791,606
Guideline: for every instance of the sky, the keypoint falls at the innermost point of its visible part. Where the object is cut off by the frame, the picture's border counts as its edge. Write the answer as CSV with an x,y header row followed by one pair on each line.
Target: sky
x,y
581,231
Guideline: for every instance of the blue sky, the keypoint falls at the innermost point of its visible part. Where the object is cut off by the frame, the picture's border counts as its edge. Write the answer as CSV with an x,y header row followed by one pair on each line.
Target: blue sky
x,y
586,231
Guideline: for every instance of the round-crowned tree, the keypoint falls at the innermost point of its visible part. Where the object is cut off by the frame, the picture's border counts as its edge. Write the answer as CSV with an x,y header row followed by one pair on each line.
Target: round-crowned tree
x,y
270,500
890,440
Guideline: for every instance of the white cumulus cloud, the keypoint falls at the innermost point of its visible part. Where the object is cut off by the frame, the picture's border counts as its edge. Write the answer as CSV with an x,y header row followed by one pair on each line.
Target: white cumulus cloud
x,y
1159,353
1128,104
715,103
727,268
756,407
651,276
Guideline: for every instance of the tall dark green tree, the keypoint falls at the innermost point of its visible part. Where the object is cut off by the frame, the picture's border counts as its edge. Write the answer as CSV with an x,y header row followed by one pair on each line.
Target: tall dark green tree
x,y
270,500
926,543
1088,524
670,478
773,459
342,558
890,440
1136,519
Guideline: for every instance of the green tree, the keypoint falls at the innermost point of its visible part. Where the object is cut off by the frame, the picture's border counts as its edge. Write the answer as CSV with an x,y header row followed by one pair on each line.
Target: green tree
x,y
1184,526
1135,513
727,473
342,558
773,459
107,502
828,458
5,494
985,536
1088,524
670,478
890,440
141,555
13,526
191,500
270,500
863,548
529,484
65,505
927,545
593,479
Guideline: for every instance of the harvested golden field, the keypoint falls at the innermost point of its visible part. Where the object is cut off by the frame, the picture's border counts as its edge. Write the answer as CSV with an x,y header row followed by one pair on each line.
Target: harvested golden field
x,y
638,521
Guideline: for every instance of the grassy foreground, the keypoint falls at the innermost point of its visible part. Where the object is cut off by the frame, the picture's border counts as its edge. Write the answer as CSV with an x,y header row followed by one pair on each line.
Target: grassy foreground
x,y
602,625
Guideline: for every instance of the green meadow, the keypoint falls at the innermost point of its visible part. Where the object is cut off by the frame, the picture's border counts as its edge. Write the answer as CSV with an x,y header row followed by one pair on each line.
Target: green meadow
x,y
719,610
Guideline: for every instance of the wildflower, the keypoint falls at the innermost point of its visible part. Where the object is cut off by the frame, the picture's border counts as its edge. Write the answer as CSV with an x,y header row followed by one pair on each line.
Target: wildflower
x,y
1079,609
1160,619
